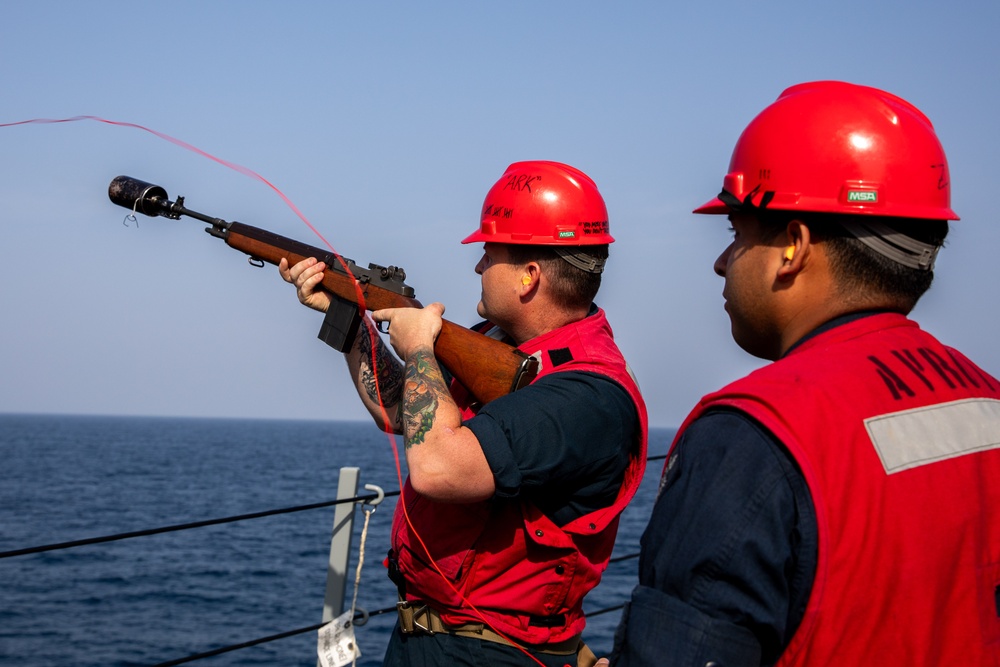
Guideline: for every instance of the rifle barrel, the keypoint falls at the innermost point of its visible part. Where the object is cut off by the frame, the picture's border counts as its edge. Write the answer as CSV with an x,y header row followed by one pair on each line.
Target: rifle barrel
x,y
488,368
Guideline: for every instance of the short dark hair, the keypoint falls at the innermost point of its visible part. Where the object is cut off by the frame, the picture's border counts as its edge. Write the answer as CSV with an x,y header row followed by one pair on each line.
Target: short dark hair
x,y
859,270
572,287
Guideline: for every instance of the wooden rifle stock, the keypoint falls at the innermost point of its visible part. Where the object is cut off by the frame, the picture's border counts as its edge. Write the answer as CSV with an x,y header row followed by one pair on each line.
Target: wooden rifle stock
x,y
488,368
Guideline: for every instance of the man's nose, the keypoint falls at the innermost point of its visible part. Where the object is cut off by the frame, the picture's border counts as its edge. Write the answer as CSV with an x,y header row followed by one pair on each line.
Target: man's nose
x,y
721,261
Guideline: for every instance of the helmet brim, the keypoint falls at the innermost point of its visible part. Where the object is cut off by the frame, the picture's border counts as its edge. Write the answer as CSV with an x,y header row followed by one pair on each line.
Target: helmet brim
x,y
714,206
476,237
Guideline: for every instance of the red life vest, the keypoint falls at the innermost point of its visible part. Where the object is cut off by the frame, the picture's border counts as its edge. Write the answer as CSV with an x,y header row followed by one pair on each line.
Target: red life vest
x,y
503,561
898,438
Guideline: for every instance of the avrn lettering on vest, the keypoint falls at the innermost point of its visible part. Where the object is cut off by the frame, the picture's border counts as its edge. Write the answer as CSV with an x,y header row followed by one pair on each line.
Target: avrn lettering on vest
x,y
927,366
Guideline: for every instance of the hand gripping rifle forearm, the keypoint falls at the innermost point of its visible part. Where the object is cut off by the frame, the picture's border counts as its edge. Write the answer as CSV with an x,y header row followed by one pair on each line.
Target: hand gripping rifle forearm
x,y
488,368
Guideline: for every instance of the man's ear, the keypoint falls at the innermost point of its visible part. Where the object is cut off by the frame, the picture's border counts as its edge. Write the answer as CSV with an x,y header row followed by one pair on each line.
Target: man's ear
x,y
795,254
530,278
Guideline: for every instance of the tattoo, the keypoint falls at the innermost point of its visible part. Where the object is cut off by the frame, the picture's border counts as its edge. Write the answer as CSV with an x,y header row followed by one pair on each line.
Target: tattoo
x,y
424,386
388,370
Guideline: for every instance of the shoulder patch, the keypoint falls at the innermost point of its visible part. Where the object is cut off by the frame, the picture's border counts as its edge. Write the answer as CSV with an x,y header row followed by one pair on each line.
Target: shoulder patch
x,y
560,356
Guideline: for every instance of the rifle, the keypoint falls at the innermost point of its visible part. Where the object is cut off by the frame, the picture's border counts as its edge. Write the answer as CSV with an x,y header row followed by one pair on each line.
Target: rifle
x,y
488,368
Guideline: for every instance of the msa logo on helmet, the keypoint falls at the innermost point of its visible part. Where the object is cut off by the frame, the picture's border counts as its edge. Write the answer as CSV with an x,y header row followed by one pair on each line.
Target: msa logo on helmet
x,y
567,235
862,196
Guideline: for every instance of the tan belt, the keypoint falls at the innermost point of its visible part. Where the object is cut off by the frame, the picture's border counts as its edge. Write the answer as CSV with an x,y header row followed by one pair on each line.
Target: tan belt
x,y
416,618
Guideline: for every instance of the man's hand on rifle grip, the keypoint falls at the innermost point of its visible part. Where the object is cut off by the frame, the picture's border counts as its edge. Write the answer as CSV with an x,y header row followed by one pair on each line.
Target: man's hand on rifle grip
x,y
305,276
411,329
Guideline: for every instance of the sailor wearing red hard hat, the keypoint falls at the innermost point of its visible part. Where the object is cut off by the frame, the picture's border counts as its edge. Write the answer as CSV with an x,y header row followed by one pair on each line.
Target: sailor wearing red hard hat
x,y
510,511
839,506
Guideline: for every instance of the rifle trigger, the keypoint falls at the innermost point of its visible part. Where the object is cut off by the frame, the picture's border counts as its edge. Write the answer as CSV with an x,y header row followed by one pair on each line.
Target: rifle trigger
x,y
255,261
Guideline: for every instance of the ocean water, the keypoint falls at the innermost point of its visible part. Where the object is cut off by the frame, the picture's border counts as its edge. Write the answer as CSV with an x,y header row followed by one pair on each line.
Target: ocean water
x,y
156,599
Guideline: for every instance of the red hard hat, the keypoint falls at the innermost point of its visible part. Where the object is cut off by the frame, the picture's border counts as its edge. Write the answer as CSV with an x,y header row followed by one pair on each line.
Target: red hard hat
x,y
835,147
543,203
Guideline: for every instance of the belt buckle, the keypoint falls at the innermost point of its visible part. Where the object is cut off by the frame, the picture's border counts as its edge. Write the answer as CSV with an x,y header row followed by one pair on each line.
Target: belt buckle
x,y
408,618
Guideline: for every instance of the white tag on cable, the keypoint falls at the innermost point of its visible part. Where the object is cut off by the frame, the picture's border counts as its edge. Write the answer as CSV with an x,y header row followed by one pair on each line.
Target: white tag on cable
x,y
336,646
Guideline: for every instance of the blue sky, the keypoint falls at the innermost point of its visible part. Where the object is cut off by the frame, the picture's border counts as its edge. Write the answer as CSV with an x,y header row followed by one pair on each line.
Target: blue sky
x,y
386,123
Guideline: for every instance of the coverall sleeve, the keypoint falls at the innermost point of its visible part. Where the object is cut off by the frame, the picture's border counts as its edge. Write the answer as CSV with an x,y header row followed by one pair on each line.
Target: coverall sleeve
x,y
564,442
728,558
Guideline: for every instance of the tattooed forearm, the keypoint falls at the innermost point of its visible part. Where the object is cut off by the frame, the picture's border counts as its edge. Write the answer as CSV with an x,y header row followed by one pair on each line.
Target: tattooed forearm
x,y
390,373
425,385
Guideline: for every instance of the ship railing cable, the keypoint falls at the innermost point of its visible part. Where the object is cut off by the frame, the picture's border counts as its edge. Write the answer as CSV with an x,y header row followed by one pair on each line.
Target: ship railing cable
x,y
264,640
186,526
257,515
